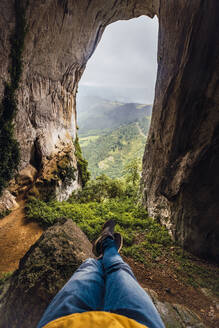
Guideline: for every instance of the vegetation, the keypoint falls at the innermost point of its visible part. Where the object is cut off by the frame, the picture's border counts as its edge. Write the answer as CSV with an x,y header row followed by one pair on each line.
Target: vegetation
x,y
4,277
132,172
111,152
101,115
8,145
82,164
65,171
191,272
103,199
112,134
145,240
4,213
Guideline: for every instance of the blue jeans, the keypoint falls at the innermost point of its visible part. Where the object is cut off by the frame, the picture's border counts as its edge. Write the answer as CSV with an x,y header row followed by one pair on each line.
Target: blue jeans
x,y
107,284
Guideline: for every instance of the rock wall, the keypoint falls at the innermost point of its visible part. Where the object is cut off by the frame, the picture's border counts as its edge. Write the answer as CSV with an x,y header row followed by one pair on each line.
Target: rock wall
x,y
180,163
62,35
181,160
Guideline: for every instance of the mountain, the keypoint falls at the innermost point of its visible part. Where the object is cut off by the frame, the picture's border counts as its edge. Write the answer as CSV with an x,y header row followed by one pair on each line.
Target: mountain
x,y
117,93
112,134
97,114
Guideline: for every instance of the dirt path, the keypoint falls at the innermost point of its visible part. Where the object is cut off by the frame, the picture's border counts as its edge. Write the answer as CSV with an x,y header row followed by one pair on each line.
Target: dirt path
x,y
16,237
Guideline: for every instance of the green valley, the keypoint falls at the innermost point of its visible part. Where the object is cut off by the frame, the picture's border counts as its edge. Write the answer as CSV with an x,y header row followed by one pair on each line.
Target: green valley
x,y
113,137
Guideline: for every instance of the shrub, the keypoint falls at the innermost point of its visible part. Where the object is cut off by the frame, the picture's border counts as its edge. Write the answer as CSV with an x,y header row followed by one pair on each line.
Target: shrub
x,y
99,189
138,230
82,164
65,171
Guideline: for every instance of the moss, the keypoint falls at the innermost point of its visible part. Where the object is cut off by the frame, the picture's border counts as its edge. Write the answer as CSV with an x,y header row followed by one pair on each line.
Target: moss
x,y
4,213
65,171
141,234
195,272
82,164
46,189
9,147
4,277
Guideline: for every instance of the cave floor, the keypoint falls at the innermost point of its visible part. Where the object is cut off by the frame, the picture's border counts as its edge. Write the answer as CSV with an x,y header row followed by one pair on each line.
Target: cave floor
x,y
16,237
175,289
164,277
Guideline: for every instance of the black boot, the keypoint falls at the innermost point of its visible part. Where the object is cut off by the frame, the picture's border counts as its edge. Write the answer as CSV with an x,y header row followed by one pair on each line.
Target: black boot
x,y
107,231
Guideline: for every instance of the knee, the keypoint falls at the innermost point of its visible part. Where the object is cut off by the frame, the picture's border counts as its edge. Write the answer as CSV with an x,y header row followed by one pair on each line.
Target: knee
x,y
121,266
90,262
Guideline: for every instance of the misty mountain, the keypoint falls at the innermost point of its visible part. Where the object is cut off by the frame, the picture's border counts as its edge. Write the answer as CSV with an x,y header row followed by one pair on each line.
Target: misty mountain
x,y
116,93
97,114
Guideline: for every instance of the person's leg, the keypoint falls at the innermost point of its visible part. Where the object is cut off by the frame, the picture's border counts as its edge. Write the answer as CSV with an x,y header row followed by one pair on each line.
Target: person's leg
x,y
123,294
83,292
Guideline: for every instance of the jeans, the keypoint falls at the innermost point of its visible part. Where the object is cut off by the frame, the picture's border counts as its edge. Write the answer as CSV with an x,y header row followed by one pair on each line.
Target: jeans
x,y
107,284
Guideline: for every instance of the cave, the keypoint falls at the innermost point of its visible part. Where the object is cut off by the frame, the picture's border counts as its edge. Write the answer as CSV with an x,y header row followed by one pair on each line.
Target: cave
x,y
180,165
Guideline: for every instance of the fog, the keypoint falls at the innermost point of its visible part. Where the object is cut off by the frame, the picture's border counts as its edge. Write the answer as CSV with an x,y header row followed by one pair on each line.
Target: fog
x,y
124,65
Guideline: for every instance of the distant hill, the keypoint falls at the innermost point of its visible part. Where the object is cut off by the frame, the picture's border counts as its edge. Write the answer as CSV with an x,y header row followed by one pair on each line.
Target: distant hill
x,y
112,133
98,115
125,94
109,153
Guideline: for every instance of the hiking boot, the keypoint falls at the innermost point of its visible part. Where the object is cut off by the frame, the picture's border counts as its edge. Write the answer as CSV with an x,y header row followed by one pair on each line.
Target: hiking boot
x,y
118,241
107,231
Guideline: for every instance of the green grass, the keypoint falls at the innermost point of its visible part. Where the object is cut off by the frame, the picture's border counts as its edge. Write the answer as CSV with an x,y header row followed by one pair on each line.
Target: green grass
x,y
195,272
145,240
141,233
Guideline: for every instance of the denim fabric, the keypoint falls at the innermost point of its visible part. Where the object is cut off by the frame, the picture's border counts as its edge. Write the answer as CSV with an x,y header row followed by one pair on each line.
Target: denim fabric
x,y
108,285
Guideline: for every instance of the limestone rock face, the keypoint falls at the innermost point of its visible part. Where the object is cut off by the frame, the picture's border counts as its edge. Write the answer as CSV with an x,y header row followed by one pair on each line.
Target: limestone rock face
x,y
7,22
42,272
181,160
180,166
7,202
62,35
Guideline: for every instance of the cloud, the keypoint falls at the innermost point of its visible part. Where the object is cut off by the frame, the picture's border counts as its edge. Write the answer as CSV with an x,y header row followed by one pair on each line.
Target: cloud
x,y
126,56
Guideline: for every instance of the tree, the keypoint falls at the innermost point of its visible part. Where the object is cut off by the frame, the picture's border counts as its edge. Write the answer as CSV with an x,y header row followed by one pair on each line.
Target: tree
x,y
132,172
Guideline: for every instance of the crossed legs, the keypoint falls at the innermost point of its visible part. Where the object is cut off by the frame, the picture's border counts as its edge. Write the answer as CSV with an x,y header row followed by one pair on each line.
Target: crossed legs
x,y
107,285
83,292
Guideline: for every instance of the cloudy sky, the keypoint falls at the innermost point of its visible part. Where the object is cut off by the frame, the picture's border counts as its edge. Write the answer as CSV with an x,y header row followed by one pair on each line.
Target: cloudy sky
x,y
126,57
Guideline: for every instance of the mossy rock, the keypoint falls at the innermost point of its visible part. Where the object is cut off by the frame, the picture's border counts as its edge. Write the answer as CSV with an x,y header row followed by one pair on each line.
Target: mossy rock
x,y
45,268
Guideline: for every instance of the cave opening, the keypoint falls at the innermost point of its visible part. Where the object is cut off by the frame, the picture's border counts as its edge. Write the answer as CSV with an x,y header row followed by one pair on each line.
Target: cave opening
x,y
116,94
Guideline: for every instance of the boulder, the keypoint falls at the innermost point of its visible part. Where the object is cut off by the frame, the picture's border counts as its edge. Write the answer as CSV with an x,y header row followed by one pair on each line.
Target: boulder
x,y
7,202
42,272
175,315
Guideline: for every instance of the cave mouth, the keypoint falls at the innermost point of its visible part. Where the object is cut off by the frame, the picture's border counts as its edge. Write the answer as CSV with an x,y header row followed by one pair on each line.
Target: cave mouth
x,y
117,89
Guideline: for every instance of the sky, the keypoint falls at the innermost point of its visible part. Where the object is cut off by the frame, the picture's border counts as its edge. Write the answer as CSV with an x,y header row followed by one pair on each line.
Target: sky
x,y
125,59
